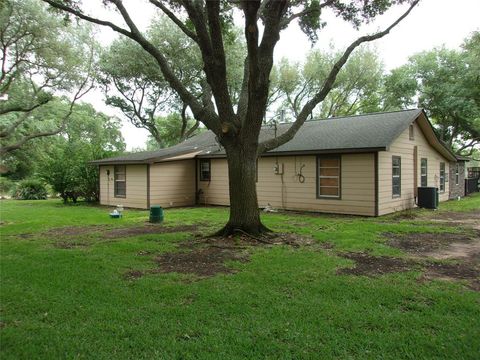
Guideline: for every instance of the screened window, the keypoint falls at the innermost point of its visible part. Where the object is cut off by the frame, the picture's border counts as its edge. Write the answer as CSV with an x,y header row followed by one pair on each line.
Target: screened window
x,y
423,172
411,133
120,188
442,177
457,174
396,176
205,170
328,181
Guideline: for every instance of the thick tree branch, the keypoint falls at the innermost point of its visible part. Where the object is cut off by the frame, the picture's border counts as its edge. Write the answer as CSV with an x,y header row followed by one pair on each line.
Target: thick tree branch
x,y
327,86
176,20
470,144
24,109
260,59
218,64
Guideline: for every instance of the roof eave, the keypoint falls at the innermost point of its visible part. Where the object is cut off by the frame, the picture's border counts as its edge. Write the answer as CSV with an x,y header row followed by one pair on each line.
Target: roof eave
x,y
306,152
439,146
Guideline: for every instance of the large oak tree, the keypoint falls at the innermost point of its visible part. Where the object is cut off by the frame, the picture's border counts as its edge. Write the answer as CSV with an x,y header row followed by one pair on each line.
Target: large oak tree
x,y
237,122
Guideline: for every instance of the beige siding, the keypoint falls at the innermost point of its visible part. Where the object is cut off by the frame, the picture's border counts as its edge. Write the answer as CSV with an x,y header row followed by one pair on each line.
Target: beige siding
x,y
173,183
136,191
285,191
404,147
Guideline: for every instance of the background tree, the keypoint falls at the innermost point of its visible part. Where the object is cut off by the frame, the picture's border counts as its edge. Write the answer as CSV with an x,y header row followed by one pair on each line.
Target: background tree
x,y
446,83
40,55
171,129
88,135
237,120
356,90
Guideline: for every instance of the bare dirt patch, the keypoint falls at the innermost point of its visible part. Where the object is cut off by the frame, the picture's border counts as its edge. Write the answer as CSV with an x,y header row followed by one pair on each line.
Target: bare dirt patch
x,y
468,271
463,249
106,232
369,265
69,231
205,257
147,229
69,245
64,232
436,245
201,262
468,219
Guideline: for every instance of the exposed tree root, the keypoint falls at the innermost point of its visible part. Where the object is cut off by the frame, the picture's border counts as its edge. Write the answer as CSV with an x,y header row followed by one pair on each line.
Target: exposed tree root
x,y
254,232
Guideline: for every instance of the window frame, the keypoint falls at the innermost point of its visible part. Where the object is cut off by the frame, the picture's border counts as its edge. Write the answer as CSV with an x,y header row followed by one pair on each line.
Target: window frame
x,y
457,174
411,132
421,172
329,197
200,175
399,176
116,181
442,178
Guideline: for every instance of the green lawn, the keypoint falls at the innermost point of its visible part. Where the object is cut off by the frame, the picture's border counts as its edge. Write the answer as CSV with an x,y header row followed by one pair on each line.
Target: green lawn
x,y
284,303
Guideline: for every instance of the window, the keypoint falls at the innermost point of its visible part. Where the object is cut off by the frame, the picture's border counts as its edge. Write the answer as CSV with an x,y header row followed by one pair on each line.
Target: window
x,y
205,171
396,176
442,177
328,179
457,174
423,172
411,133
120,186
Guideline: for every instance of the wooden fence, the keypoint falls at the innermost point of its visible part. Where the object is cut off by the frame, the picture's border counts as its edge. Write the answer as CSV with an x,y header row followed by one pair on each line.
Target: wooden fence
x,y
471,185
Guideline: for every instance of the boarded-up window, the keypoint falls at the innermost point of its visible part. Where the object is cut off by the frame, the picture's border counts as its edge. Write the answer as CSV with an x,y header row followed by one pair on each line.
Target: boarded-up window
x,y
328,180
442,177
205,171
396,176
423,172
120,178
457,173
411,133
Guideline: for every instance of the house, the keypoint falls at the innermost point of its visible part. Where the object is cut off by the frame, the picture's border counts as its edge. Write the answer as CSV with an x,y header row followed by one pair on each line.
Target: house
x,y
364,165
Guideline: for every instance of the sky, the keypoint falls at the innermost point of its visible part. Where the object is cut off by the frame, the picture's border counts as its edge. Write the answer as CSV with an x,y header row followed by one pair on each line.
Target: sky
x,y
432,23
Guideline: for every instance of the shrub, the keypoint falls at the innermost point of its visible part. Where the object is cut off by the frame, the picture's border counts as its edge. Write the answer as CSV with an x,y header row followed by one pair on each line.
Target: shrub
x,y
6,185
30,189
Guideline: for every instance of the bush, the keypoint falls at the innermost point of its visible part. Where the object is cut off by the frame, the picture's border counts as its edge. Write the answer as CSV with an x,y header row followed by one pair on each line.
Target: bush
x,y
6,185
31,189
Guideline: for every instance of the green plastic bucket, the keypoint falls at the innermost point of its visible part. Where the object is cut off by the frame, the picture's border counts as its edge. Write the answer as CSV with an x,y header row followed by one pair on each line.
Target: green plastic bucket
x,y
156,214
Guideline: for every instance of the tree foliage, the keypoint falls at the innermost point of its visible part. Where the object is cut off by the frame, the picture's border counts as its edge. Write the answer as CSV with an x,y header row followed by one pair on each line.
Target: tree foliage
x,y
446,83
356,90
40,56
89,135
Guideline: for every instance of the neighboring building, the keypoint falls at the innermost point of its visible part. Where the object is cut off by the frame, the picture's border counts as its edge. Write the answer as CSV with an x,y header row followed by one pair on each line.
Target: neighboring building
x,y
364,165
457,177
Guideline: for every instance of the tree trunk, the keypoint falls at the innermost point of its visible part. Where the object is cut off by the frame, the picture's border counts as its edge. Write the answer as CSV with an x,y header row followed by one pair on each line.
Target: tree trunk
x,y
242,175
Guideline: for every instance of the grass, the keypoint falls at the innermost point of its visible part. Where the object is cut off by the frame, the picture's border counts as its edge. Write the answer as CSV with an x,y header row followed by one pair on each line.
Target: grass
x,y
284,303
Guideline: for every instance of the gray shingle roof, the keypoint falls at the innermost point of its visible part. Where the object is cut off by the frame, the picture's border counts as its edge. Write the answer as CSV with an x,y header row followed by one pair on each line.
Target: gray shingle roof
x,y
370,131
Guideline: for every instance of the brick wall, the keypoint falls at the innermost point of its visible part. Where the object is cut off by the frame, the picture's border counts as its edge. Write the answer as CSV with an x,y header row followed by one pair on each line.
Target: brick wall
x,y
457,190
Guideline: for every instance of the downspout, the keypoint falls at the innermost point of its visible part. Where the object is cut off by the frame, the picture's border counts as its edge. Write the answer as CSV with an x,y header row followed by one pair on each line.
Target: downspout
x,y
148,186
376,183
197,195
